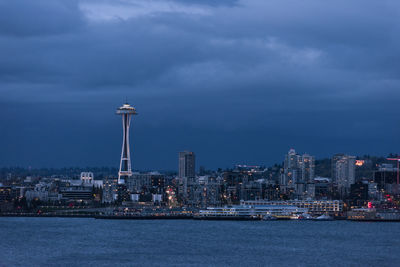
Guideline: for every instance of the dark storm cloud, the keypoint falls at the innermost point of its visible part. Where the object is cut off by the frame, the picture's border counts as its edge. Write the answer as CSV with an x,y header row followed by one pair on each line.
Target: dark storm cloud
x,y
232,80
210,2
29,18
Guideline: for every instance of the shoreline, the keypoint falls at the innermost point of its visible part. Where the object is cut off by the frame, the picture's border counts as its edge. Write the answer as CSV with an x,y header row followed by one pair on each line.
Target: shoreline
x,y
170,217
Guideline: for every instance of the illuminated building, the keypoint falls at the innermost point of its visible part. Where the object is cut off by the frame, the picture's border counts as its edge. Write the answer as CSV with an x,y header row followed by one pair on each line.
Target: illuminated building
x,y
6,203
144,185
187,164
307,166
359,193
186,172
360,162
5,194
109,190
313,206
76,194
386,178
298,171
343,172
125,168
291,168
87,177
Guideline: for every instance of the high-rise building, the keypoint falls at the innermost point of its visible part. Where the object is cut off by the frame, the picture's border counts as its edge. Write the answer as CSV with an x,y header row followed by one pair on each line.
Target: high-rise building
x,y
343,171
109,190
187,164
307,166
298,168
291,171
186,175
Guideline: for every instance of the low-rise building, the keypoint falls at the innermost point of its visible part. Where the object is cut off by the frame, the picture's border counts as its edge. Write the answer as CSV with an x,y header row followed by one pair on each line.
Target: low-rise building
x,y
313,206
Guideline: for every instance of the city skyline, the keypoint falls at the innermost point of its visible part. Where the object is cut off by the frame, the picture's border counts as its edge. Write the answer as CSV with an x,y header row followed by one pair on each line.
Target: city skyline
x,y
267,136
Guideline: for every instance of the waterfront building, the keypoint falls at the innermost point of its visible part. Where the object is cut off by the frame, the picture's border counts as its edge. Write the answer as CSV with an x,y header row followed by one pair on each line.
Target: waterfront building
x,y
252,211
372,214
313,206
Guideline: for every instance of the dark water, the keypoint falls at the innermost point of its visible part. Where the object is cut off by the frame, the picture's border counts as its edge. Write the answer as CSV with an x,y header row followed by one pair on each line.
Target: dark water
x,y
90,242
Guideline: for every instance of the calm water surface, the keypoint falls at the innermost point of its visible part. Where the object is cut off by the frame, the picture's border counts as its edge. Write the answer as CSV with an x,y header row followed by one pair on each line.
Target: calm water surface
x,y
90,242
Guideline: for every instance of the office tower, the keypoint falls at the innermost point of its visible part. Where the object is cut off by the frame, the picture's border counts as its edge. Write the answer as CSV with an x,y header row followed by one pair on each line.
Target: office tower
x,y
186,174
186,164
307,166
125,169
343,171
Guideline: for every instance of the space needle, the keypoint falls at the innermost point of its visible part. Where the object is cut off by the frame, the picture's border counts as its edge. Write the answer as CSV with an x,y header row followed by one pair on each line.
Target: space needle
x,y
125,169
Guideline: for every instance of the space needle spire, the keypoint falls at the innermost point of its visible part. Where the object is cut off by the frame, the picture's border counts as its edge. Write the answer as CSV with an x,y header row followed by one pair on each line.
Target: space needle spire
x,y
125,168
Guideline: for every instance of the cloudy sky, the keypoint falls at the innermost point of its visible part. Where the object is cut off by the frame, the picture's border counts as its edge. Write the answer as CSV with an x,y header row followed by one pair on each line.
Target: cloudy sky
x,y
234,81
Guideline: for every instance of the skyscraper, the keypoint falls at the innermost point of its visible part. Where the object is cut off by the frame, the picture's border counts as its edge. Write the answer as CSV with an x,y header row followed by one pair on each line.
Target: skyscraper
x,y
307,166
125,169
343,171
187,164
298,168
291,168
186,174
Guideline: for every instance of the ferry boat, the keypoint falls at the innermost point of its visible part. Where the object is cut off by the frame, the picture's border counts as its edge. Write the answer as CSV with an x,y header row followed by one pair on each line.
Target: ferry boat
x,y
250,212
373,215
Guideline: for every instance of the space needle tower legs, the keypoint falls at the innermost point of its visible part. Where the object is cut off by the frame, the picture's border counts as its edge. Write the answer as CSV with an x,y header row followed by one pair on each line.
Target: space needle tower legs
x,y
125,169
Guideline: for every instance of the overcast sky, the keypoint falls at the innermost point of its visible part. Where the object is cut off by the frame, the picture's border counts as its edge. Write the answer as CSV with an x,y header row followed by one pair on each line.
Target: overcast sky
x,y
234,81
